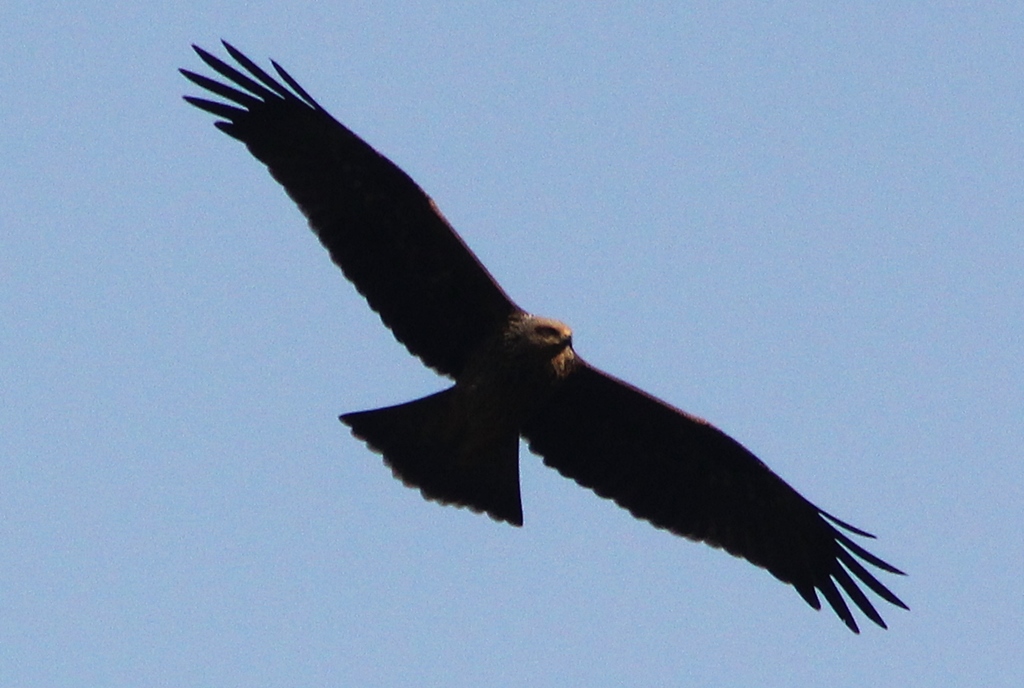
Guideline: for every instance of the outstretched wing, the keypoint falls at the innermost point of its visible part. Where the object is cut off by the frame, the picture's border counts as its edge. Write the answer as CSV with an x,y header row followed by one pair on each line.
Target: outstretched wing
x,y
380,228
683,474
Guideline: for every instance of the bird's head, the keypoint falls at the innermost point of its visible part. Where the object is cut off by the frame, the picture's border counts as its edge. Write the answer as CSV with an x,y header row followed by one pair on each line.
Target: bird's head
x,y
546,334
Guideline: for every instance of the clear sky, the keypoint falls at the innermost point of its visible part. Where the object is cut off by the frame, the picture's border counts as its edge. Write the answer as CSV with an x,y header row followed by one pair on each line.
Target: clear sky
x,y
802,221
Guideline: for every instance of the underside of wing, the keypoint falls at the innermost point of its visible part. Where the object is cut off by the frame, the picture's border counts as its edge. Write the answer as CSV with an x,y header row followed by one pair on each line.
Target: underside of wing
x,y
683,474
380,228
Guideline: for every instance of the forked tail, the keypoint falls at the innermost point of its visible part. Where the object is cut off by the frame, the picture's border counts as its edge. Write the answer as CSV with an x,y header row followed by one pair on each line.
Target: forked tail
x,y
431,444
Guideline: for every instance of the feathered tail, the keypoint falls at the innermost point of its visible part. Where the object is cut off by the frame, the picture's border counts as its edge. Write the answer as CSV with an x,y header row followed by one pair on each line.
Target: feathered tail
x,y
433,444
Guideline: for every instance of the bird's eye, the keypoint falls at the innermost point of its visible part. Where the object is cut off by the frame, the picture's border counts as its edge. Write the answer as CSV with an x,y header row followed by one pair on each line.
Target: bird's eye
x,y
547,331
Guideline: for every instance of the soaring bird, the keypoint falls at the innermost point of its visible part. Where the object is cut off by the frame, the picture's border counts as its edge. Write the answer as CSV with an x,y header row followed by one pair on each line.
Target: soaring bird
x,y
516,374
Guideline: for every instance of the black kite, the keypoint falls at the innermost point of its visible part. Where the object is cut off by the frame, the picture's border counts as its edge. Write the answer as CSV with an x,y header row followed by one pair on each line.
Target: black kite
x,y
517,374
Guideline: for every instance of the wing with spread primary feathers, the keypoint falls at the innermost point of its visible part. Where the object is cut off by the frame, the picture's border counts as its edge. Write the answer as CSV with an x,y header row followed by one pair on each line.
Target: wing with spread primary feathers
x,y
380,228
684,475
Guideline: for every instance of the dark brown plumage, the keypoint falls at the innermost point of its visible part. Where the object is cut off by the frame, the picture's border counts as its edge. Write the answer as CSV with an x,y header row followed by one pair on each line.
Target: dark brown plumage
x,y
517,374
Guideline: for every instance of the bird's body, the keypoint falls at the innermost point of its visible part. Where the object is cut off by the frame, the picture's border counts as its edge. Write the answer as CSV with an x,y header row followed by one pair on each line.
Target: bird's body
x,y
461,446
516,374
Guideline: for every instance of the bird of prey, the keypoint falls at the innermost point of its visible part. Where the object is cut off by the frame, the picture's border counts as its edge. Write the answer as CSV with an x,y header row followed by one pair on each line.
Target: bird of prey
x,y
517,374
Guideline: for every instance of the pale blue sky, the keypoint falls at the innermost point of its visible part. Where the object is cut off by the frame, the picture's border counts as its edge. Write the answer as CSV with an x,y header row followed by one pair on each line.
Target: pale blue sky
x,y
802,221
